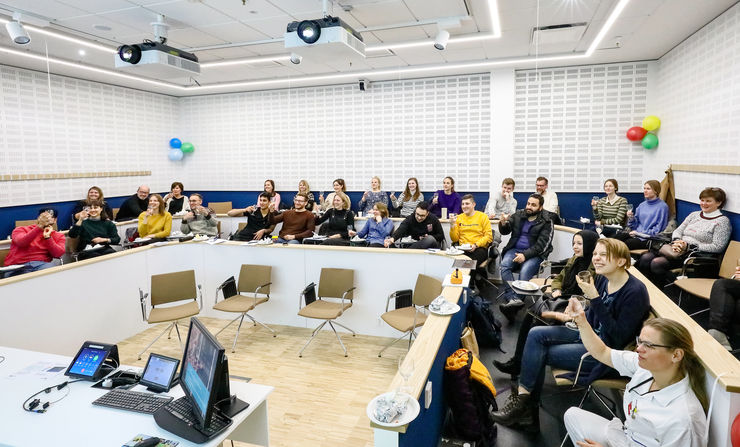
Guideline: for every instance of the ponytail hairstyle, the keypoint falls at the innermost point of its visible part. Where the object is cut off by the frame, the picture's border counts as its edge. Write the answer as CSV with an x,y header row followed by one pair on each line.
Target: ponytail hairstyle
x,y
673,334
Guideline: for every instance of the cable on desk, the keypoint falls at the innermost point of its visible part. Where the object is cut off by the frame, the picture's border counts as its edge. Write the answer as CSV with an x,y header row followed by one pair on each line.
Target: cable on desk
x,y
36,406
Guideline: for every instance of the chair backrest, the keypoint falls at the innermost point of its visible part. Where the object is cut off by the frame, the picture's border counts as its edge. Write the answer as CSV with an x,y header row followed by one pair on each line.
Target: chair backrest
x,y
729,262
25,223
3,254
334,282
71,244
220,207
171,287
252,276
426,290
241,226
115,213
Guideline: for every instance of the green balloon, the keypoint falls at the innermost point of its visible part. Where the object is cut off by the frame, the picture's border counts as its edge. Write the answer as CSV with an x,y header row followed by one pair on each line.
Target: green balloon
x,y
650,141
187,147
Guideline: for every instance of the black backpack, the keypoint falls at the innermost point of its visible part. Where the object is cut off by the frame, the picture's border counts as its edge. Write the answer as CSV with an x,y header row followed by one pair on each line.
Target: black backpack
x,y
487,328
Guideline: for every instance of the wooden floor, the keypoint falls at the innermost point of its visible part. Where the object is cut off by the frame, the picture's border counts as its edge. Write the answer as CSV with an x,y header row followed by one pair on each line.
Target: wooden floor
x,y
320,399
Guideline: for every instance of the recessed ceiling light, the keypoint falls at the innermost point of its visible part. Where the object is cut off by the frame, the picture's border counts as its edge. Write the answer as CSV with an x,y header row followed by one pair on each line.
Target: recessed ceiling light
x,y
102,27
81,52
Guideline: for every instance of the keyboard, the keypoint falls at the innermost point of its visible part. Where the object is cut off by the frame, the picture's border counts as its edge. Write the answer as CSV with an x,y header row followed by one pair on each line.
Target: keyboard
x,y
183,410
132,401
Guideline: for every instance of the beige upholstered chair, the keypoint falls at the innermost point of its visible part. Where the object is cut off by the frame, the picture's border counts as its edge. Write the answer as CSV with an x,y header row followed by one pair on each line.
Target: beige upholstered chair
x,y
407,319
220,207
167,289
702,287
25,223
254,280
337,284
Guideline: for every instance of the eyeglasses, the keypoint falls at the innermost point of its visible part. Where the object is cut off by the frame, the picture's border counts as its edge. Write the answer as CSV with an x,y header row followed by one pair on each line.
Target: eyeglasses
x,y
649,345
421,216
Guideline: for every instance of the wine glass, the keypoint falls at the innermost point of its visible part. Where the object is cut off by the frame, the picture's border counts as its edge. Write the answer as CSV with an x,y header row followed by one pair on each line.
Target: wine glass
x,y
582,304
584,276
405,369
630,207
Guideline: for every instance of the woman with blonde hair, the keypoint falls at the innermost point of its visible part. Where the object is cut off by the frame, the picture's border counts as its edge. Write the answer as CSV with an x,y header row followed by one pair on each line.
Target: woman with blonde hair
x,y
337,221
94,194
305,188
409,198
155,222
372,196
665,400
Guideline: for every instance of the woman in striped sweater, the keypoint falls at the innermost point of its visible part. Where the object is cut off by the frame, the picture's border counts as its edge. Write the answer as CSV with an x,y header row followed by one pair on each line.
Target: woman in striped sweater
x,y
610,210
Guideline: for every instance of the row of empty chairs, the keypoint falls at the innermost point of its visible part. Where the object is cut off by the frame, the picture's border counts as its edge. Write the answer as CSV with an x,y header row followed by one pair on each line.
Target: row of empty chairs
x,y
175,296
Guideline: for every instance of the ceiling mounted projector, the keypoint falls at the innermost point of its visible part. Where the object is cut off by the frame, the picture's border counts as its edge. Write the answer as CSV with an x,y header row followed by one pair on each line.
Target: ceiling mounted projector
x,y
325,38
156,60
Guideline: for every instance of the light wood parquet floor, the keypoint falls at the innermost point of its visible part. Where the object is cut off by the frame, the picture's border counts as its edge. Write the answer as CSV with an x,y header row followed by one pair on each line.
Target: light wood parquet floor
x,y
319,400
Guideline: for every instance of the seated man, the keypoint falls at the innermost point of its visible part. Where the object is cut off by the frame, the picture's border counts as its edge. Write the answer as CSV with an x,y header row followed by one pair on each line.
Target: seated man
x,y
134,205
472,227
258,220
298,223
422,226
530,243
199,220
722,304
503,202
36,245
550,197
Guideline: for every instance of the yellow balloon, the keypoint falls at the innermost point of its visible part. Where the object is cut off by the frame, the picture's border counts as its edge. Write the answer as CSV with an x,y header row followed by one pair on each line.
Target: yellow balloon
x,y
650,123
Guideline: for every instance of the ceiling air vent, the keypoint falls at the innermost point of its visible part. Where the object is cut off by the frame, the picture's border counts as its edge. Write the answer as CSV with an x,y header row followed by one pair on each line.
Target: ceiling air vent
x,y
558,34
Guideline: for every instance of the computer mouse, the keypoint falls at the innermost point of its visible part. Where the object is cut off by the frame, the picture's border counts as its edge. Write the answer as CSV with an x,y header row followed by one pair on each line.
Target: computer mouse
x,y
150,442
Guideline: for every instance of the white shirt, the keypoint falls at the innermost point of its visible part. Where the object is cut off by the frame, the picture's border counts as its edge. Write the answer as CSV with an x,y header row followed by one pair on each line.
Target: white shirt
x,y
669,417
551,201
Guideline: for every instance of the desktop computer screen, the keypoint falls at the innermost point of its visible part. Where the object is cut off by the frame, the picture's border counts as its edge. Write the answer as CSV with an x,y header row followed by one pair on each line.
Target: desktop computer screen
x,y
201,370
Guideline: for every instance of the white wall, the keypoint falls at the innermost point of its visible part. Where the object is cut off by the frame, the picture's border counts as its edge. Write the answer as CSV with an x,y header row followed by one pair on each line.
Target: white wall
x,y
697,98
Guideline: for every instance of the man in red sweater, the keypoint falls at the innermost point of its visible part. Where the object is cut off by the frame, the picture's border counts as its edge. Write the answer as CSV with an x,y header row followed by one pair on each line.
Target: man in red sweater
x,y
36,245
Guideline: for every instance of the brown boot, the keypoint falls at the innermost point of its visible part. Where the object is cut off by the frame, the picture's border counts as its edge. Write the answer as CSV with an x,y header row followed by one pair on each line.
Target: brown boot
x,y
519,411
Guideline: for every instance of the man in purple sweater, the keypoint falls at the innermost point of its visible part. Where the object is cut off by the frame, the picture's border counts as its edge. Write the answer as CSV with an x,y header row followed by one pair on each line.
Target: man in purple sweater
x,y
650,218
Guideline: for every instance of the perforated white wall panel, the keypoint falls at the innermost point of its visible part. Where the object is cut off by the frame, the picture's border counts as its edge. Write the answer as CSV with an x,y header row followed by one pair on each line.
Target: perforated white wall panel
x,y
424,128
570,126
698,102
80,126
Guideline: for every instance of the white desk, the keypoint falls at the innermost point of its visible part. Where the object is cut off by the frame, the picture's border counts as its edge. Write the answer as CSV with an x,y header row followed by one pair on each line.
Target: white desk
x,y
75,421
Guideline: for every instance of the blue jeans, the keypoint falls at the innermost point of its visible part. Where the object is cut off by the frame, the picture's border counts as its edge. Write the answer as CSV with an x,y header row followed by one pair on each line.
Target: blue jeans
x,y
285,241
28,267
527,270
556,346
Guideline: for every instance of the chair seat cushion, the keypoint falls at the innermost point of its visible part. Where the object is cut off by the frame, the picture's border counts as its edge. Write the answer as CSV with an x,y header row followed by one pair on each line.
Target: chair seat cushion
x,y
701,287
539,281
160,314
324,310
403,319
239,304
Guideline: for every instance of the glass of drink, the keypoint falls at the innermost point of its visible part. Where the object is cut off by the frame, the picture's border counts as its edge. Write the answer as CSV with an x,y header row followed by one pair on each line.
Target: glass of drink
x,y
595,198
584,276
406,370
576,310
630,207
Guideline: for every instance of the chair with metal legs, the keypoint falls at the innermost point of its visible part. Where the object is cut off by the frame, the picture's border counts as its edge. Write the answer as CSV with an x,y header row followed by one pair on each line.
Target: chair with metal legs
x,y
336,284
252,290
406,317
166,289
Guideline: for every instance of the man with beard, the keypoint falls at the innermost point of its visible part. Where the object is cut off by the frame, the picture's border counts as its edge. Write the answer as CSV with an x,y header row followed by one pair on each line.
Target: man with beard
x,y
298,223
134,205
530,243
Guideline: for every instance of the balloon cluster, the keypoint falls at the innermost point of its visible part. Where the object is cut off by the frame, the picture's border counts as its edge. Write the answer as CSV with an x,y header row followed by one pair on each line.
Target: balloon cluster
x,y
649,140
178,149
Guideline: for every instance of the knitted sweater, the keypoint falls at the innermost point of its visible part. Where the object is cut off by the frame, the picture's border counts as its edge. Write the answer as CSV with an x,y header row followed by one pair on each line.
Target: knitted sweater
x,y
611,213
475,229
299,224
90,229
407,204
200,225
336,221
707,232
28,244
651,217
373,197
158,224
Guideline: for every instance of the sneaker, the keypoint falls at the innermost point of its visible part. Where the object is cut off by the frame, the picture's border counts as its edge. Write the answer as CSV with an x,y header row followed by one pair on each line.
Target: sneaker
x,y
721,338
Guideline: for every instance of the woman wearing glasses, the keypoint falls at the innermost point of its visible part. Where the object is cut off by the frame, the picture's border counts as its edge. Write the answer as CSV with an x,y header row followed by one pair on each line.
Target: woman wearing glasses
x,y
665,400
619,303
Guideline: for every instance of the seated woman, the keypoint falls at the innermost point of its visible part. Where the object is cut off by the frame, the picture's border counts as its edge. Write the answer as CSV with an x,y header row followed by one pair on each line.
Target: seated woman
x,y
373,196
707,230
338,221
650,218
94,228
446,198
94,194
306,189
619,303
377,228
409,198
667,385
610,210
269,188
339,186
155,222
563,286
175,201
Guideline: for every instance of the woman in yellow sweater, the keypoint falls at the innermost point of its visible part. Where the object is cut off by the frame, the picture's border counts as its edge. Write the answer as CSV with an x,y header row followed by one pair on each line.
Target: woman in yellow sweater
x,y
472,232
155,222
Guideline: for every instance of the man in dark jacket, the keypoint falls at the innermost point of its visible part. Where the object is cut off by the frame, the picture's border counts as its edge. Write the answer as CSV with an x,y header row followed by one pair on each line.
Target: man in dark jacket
x,y
530,243
422,226
134,205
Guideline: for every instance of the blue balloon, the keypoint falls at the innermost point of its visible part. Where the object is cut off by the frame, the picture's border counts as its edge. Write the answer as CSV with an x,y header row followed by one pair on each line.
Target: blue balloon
x,y
175,143
175,155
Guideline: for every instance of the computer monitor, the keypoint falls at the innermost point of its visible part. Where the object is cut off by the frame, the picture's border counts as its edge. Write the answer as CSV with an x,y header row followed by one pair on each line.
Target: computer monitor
x,y
202,372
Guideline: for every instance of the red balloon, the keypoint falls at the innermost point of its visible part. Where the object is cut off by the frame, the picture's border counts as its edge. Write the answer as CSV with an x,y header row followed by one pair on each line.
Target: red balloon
x,y
735,432
636,133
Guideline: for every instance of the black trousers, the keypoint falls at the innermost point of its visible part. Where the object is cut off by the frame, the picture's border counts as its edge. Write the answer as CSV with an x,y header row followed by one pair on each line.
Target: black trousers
x,y
480,254
633,243
723,304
